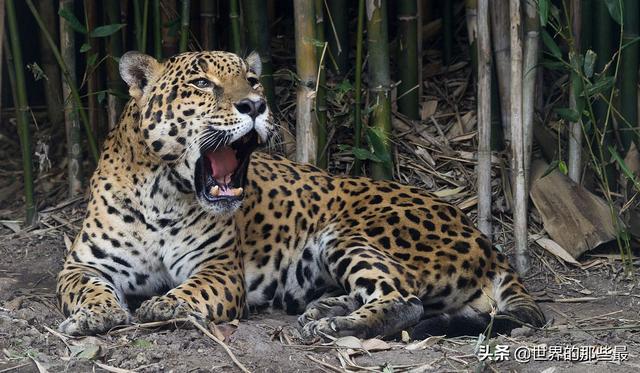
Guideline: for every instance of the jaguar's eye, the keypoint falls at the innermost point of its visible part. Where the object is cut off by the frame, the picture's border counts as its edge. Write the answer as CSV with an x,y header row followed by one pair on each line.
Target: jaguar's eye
x,y
202,83
253,81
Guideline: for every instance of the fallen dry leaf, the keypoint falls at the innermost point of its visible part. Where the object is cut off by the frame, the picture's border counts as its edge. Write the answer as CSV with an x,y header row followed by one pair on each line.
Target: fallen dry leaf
x,y
428,109
375,344
349,342
424,344
554,248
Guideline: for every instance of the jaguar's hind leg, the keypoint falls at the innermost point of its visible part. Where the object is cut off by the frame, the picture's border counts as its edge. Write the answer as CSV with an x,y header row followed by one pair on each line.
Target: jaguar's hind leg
x,y
371,280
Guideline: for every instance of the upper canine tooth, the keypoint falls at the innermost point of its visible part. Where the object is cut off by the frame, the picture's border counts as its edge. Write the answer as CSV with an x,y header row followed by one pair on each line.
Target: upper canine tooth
x,y
214,191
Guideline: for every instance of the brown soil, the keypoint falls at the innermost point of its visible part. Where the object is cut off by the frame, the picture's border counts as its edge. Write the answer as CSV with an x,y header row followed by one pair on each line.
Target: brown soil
x,y
266,342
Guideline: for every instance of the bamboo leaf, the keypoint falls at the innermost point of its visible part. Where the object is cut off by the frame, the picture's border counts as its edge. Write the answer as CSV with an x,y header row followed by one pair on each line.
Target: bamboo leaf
x,y
543,9
553,65
106,30
550,169
562,167
37,71
91,60
615,10
551,44
568,114
85,48
75,24
604,83
377,143
360,153
623,166
589,62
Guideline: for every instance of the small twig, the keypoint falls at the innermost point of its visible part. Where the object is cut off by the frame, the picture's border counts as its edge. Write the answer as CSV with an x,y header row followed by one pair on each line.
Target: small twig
x,y
219,342
109,368
41,368
14,367
60,336
326,365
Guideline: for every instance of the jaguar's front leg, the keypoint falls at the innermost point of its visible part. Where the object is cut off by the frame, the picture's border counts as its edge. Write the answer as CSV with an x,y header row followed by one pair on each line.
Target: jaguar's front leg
x,y
215,291
89,300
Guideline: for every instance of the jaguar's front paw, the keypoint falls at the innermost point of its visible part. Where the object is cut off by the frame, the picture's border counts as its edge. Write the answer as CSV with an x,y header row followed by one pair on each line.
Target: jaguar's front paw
x,y
328,307
94,319
164,308
331,327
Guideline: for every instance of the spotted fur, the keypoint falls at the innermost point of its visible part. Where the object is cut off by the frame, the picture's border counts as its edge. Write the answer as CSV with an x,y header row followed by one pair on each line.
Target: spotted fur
x,y
353,256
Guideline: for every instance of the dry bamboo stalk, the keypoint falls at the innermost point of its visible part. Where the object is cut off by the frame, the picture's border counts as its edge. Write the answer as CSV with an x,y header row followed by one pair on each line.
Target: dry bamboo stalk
x,y
1,40
484,117
72,124
169,39
575,128
517,139
499,12
531,56
471,18
49,65
208,19
307,68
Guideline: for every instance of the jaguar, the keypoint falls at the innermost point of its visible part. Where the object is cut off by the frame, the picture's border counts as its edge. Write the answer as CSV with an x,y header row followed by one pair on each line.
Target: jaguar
x,y
186,213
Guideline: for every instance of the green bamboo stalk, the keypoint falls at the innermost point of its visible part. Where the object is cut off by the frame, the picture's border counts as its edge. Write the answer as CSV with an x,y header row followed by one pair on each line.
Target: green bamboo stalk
x,y
137,22
258,39
53,83
337,29
321,94
235,38
184,24
603,47
208,24
447,30
75,95
357,122
140,17
145,24
22,110
408,99
379,85
93,81
157,30
629,73
72,125
115,84
575,99
307,69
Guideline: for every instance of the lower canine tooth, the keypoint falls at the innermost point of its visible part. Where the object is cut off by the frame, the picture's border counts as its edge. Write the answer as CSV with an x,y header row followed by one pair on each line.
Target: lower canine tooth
x,y
214,191
237,192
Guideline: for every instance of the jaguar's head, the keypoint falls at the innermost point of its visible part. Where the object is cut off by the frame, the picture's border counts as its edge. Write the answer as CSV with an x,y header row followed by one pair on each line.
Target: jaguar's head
x,y
202,113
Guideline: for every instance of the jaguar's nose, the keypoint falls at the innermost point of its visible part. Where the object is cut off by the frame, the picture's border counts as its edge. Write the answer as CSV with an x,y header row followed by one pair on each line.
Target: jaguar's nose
x,y
252,108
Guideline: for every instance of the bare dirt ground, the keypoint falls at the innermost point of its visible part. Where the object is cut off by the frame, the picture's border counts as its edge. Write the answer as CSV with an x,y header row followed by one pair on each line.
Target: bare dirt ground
x,y
596,305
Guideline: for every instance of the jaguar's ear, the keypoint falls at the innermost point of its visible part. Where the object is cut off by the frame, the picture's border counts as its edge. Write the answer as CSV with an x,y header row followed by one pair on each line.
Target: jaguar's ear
x,y
254,62
137,70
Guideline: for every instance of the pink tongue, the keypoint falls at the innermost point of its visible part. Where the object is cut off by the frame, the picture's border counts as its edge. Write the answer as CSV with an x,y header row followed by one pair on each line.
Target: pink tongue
x,y
223,163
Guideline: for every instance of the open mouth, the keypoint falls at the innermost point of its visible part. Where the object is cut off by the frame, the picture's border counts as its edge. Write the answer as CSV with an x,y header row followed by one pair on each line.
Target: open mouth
x,y
221,172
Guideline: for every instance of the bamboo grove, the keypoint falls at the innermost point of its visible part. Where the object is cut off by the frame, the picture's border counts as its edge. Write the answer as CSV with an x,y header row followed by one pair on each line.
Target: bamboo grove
x,y
572,63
